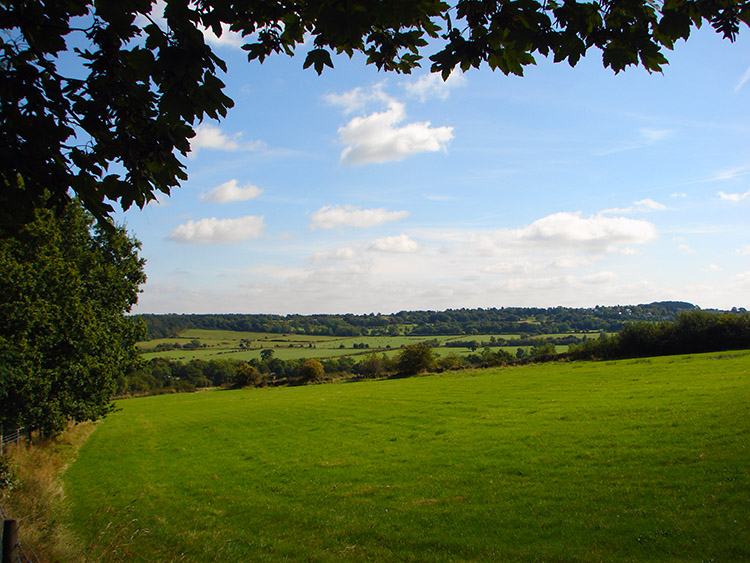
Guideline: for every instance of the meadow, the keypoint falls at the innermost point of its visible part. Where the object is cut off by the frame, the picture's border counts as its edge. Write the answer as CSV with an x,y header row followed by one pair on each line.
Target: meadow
x,y
237,345
635,460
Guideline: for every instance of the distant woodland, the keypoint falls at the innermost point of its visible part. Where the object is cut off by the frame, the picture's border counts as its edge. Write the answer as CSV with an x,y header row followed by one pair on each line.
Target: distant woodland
x,y
506,320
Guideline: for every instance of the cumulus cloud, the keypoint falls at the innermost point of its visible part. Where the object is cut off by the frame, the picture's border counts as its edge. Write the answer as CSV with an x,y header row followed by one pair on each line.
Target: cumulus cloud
x,y
641,206
678,195
401,244
332,216
357,98
432,85
744,251
378,138
231,191
712,268
215,230
734,197
596,233
209,136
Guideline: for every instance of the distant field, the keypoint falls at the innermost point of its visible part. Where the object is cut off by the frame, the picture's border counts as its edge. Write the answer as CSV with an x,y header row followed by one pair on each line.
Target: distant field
x,y
640,460
225,344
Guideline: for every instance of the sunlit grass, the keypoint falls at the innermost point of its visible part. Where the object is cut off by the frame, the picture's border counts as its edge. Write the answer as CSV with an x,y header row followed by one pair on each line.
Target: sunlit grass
x,y
632,460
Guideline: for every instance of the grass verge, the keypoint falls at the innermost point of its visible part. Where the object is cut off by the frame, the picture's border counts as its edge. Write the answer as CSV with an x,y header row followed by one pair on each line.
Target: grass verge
x,y
37,500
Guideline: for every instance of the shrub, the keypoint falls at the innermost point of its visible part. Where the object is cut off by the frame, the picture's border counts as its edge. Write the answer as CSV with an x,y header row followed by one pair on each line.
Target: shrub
x,y
7,476
414,359
312,370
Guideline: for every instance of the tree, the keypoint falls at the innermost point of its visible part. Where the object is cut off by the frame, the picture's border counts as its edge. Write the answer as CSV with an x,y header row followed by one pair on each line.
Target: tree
x,y
312,370
65,339
414,359
144,80
266,354
246,375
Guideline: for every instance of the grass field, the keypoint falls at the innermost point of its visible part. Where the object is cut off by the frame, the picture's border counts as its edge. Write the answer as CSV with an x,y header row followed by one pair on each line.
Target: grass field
x,y
641,460
224,344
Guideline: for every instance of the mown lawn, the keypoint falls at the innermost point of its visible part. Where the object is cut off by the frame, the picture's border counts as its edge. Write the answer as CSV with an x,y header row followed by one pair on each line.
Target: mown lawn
x,y
630,461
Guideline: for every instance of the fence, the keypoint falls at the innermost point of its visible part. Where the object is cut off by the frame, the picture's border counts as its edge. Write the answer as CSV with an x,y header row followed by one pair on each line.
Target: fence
x,y
8,437
12,551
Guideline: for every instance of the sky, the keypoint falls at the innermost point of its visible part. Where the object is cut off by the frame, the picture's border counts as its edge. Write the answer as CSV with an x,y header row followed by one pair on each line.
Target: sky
x,y
362,192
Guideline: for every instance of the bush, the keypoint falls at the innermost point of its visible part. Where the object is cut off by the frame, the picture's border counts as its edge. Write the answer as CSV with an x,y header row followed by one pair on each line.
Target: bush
x,y
7,476
247,375
312,370
414,359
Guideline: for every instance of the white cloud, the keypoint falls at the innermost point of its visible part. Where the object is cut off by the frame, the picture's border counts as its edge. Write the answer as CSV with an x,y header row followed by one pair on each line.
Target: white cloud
x,y
520,266
209,136
432,85
330,217
734,197
741,280
596,233
741,82
599,278
641,206
215,230
712,268
344,253
570,261
230,191
744,251
678,195
228,38
357,98
401,244
377,138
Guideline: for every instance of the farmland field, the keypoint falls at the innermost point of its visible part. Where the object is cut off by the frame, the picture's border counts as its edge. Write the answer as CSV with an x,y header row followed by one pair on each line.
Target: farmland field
x,y
632,460
225,344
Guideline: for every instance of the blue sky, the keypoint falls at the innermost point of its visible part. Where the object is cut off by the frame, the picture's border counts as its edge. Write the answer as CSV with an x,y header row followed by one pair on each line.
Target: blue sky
x,y
359,191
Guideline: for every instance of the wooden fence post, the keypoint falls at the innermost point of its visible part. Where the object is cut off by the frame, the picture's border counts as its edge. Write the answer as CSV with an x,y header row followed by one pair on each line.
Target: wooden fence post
x,y
10,541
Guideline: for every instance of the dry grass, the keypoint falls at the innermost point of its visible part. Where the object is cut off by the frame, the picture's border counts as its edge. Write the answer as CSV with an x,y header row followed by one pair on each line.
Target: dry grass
x,y
37,500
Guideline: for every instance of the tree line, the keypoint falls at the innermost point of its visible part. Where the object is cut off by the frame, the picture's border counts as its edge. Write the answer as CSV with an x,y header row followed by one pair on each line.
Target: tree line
x,y
692,332
503,320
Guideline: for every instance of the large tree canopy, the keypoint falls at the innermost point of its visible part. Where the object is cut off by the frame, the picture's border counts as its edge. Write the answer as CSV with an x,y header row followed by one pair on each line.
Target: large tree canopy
x,y
114,131
64,337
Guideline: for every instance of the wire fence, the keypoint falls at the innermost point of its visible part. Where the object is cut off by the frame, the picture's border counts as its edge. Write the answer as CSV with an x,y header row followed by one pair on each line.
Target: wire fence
x,y
11,436
24,553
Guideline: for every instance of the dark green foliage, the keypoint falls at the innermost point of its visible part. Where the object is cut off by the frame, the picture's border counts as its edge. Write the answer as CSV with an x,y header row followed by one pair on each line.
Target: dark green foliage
x,y
530,321
7,475
133,91
246,375
65,288
543,351
414,359
693,332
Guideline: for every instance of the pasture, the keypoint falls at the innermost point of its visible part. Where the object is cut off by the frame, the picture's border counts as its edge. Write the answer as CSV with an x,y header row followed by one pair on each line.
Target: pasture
x,y
226,344
633,460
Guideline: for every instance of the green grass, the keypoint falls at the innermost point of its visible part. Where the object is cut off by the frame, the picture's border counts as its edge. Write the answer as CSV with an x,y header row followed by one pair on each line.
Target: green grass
x,y
640,460
224,344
